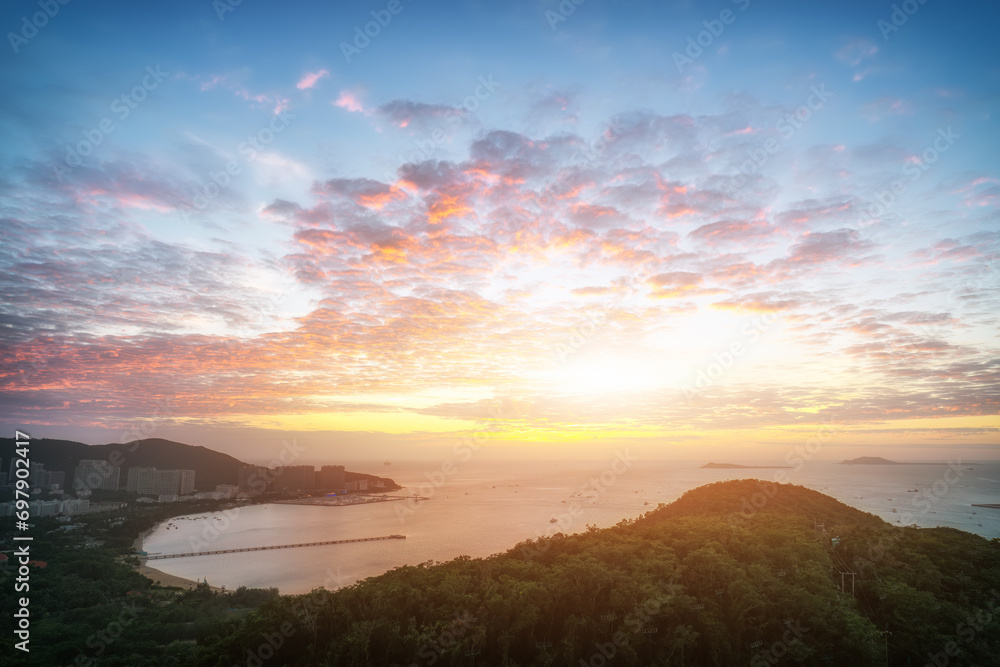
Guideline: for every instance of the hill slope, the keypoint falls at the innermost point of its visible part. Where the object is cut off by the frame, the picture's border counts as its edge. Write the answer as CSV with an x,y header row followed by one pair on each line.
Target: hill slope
x,y
683,585
211,467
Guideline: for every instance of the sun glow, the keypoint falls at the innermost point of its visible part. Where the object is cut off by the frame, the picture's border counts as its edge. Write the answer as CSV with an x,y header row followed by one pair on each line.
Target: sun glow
x,y
606,374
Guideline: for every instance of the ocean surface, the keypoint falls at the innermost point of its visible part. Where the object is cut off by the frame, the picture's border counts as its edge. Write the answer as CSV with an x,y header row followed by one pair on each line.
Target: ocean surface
x,y
483,508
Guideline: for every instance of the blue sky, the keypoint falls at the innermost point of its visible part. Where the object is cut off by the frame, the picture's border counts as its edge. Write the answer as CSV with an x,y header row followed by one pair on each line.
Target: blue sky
x,y
488,205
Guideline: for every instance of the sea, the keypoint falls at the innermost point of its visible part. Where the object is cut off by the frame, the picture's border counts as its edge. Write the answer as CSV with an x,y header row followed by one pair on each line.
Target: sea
x,y
479,508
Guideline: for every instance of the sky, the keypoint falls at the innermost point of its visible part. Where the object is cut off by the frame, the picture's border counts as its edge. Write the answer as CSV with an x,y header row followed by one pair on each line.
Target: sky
x,y
720,229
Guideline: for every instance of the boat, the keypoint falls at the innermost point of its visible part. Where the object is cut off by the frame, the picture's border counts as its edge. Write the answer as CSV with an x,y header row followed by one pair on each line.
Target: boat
x,y
553,520
911,490
387,462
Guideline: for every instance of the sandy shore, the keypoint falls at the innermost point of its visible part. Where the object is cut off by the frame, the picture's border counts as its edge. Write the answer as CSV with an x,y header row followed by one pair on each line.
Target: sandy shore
x,y
160,576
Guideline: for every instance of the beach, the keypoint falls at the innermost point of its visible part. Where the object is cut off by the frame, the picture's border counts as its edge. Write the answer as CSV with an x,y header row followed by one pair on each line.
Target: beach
x,y
160,577
489,507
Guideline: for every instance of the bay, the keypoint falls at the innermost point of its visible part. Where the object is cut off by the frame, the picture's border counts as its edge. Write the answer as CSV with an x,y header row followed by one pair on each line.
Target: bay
x,y
486,507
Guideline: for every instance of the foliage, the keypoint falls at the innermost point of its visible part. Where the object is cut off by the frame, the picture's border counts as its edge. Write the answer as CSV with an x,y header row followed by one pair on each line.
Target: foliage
x,y
703,581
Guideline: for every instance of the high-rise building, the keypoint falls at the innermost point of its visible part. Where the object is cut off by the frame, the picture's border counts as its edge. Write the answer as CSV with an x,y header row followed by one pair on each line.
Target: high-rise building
x,y
257,479
156,482
54,478
295,478
332,477
94,475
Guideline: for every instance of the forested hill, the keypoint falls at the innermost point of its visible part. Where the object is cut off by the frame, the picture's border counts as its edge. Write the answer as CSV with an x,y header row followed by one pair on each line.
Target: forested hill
x,y
211,467
702,581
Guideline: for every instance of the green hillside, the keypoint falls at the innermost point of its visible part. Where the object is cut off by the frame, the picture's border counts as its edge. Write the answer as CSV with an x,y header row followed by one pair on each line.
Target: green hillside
x,y
701,581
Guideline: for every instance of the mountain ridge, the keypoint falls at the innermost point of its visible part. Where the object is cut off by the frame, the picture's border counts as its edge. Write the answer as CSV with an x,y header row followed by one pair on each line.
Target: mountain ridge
x,y
211,467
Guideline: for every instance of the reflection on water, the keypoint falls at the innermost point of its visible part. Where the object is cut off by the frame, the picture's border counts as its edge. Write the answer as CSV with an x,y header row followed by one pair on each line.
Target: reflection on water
x,y
487,508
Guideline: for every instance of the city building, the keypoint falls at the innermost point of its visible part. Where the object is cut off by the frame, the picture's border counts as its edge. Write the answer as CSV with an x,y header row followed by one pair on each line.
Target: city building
x,y
227,490
152,481
75,506
295,478
256,478
40,508
332,478
92,475
54,479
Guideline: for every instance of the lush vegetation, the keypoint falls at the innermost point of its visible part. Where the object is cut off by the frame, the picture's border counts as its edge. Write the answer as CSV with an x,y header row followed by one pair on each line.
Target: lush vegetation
x,y
90,607
731,573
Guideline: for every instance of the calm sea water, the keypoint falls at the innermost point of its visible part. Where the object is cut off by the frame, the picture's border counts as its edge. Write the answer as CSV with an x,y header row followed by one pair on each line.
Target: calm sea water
x,y
484,508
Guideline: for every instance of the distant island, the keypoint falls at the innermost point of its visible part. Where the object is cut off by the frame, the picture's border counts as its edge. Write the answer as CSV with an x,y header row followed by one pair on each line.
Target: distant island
x,y
736,466
870,461
879,461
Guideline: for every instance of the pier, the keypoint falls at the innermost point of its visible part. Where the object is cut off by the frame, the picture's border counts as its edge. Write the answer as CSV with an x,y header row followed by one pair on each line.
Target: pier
x,y
278,546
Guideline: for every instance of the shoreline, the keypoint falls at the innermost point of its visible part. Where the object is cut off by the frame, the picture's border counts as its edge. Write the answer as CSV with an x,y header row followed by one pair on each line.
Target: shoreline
x,y
159,577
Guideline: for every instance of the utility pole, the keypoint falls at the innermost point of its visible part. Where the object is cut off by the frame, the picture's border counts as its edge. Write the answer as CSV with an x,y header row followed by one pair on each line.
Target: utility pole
x,y
843,582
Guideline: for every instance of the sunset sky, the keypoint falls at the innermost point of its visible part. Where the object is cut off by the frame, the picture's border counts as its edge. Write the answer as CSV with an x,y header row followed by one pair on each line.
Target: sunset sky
x,y
574,230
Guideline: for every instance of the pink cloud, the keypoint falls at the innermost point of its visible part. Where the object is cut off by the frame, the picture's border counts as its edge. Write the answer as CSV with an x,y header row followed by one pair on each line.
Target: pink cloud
x,y
310,79
349,100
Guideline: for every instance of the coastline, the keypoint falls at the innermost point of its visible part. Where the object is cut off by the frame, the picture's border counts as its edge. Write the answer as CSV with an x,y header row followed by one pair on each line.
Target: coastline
x,y
160,577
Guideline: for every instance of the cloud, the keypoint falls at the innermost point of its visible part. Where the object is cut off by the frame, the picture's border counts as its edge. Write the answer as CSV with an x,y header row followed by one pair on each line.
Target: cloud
x,y
309,79
416,115
349,100
674,283
822,247
733,231
467,274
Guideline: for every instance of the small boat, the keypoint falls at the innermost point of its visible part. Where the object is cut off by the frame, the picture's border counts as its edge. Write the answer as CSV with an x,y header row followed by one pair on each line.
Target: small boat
x,y
553,520
911,490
